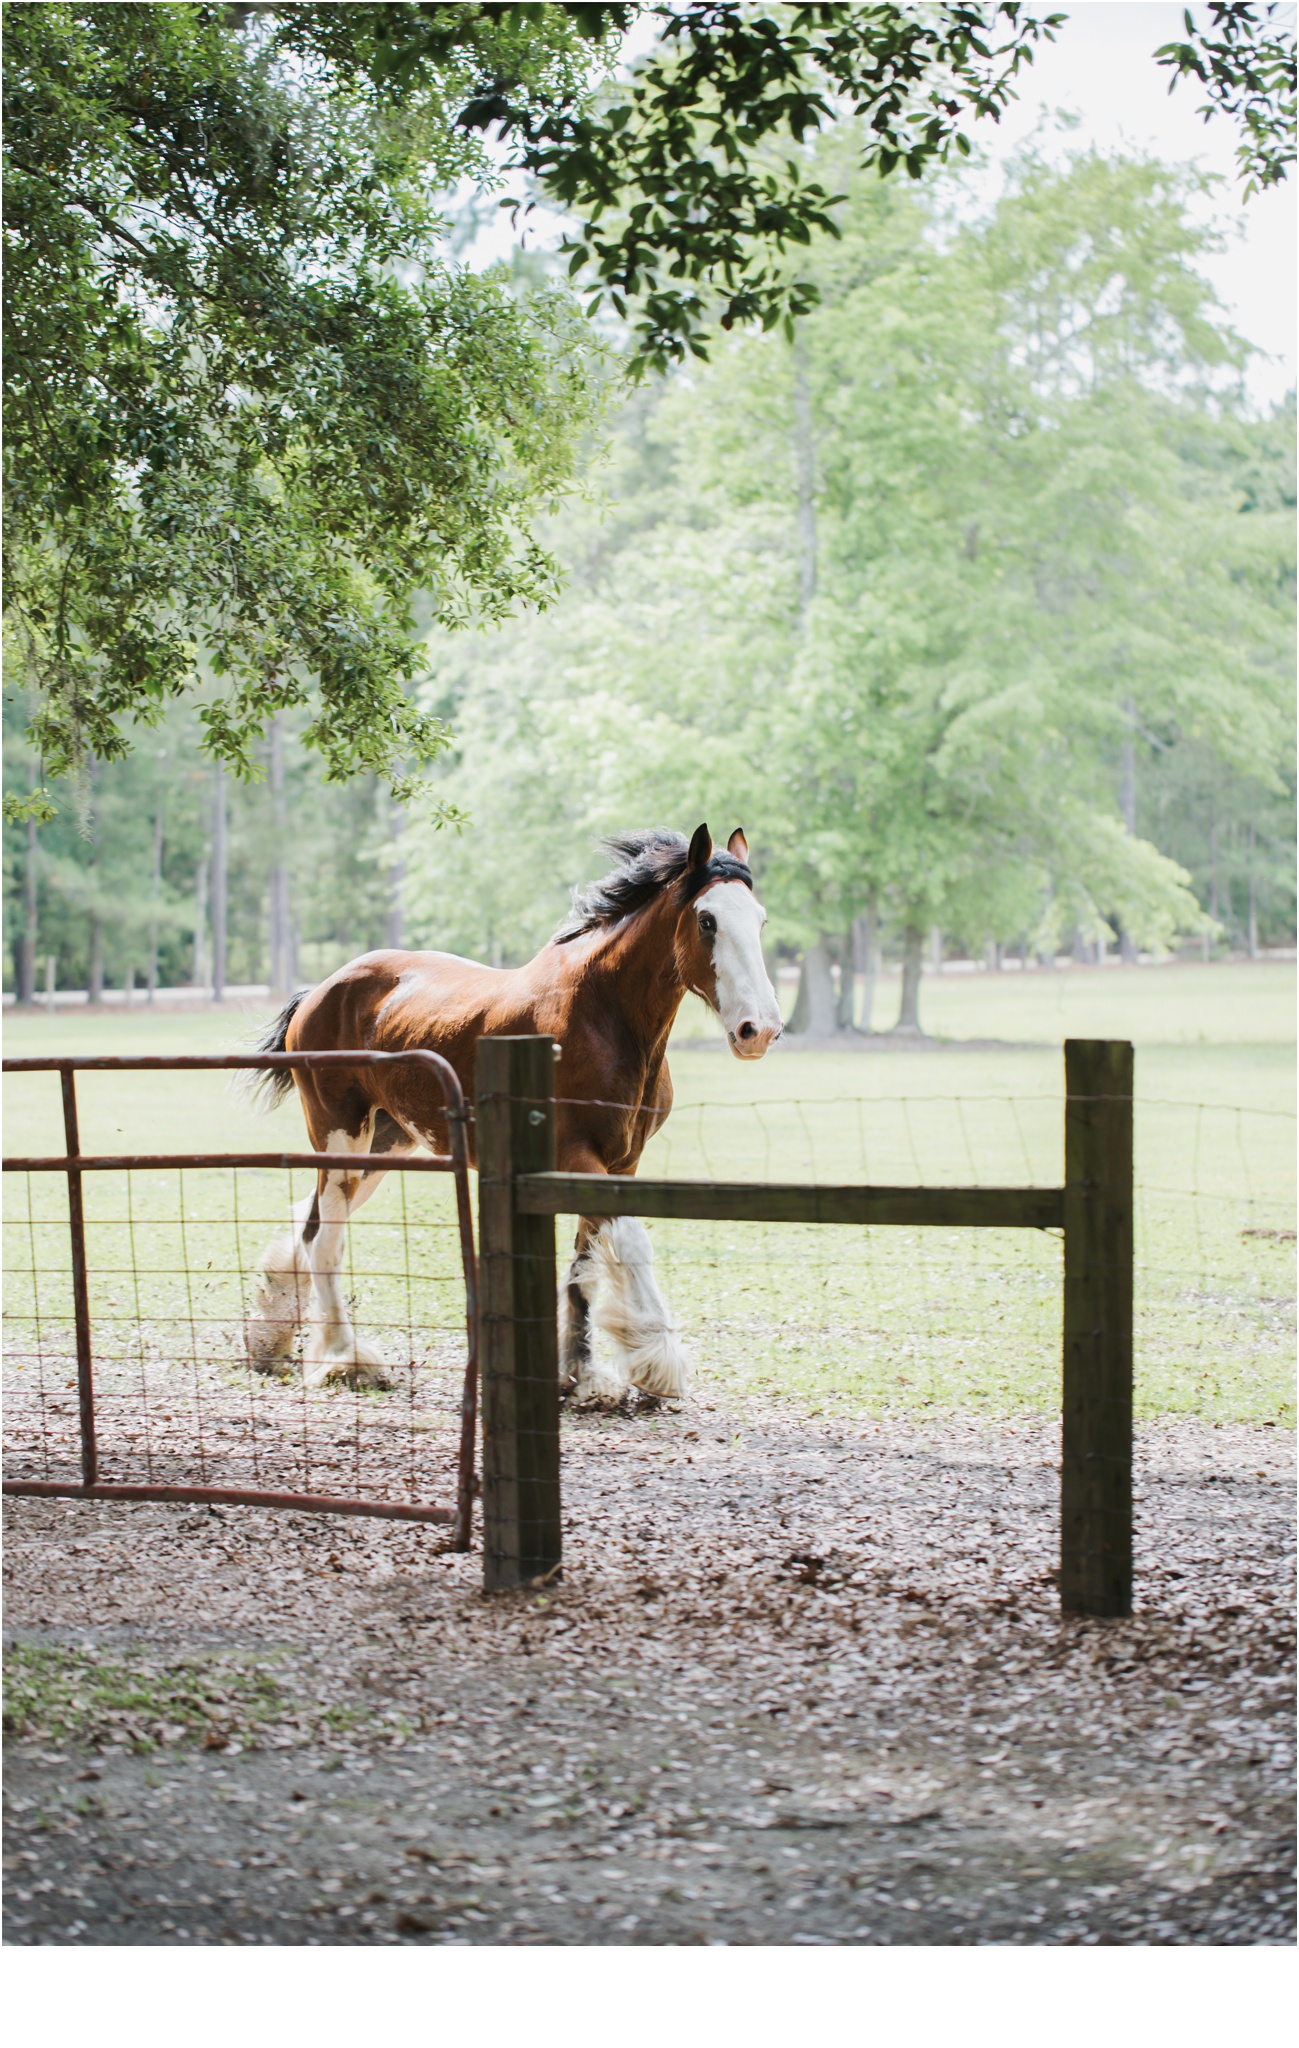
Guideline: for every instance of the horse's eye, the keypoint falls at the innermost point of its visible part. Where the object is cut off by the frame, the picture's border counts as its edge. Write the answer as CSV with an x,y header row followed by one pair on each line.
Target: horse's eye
x,y
707,923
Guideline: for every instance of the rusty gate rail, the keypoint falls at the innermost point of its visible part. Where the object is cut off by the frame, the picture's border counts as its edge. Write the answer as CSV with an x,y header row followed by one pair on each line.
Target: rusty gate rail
x,y
74,1163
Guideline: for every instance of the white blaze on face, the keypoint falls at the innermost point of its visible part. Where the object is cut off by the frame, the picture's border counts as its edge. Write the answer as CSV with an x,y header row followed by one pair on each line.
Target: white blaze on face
x,y
746,1001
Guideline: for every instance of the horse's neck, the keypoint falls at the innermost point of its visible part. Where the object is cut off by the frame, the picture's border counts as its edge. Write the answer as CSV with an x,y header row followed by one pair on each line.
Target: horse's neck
x,y
636,976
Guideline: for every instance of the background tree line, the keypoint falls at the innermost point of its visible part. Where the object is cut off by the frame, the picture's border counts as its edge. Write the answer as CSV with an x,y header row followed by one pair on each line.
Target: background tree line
x,y
973,602
166,869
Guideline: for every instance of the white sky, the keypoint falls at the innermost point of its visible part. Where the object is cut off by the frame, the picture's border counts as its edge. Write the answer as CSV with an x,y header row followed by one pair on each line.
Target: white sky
x,y
1101,68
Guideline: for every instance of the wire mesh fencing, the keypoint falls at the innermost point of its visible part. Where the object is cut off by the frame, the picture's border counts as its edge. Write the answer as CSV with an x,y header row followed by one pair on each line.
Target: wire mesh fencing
x,y
969,1321
521,1130
127,1296
977,1262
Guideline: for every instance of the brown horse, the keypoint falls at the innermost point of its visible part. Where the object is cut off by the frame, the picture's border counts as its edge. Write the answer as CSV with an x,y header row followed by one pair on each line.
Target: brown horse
x,y
672,917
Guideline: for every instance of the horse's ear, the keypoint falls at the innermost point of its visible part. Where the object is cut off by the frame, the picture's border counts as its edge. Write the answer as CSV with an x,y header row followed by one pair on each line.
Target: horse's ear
x,y
701,849
738,845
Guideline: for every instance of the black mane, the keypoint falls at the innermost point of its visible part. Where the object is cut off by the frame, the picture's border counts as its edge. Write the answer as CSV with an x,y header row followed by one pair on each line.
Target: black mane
x,y
648,863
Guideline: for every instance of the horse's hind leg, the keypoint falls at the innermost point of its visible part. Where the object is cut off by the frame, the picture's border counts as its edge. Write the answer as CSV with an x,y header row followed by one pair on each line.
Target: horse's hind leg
x,y
631,1311
588,1379
281,1296
334,1351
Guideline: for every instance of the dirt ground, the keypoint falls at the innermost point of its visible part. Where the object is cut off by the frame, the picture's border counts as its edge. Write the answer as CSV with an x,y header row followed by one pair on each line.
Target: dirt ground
x,y
803,1681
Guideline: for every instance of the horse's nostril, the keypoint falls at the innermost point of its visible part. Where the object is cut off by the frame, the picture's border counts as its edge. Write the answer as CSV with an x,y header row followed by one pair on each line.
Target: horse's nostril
x,y
748,1031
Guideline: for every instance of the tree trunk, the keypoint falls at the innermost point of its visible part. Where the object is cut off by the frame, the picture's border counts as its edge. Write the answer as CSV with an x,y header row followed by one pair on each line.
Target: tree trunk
x,y
396,876
200,924
796,1023
847,978
805,452
128,988
935,951
866,940
1127,945
96,988
282,963
814,1011
912,966
155,894
1251,934
31,934
219,886
1128,768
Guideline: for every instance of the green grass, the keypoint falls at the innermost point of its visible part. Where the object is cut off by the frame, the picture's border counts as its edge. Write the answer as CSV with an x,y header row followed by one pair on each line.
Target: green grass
x,y
834,1318
1182,1003
62,1693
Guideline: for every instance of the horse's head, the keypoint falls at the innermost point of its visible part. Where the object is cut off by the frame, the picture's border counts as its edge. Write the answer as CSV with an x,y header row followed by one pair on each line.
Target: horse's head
x,y
719,945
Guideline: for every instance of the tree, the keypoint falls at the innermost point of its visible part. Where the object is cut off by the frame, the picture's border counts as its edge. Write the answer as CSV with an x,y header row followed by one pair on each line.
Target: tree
x,y
1245,58
250,413
689,198
1023,540
1017,544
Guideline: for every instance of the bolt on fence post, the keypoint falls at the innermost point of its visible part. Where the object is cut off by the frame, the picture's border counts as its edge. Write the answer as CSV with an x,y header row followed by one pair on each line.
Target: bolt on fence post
x,y
80,1292
518,1334
1096,1447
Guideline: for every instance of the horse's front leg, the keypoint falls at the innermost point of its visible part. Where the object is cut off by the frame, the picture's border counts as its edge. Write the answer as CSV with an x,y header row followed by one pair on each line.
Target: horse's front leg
x,y
590,1380
630,1310
575,1313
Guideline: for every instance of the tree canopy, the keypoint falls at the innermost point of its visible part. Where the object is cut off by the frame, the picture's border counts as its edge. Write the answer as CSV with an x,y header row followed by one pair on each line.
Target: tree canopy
x,y
917,597
251,411
259,426
689,200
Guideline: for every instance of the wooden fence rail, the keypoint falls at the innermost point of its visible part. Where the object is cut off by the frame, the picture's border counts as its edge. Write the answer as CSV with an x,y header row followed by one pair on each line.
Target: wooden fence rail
x,y
520,1194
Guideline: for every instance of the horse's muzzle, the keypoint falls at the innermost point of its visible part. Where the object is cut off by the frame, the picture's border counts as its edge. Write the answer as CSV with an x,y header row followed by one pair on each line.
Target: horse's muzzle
x,y
750,1040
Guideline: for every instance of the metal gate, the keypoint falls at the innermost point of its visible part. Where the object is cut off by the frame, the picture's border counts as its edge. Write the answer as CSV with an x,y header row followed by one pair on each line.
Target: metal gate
x,y
126,1372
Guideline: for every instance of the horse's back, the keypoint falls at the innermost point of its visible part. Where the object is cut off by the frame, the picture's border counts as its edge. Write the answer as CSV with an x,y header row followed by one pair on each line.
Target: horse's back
x,y
389,1001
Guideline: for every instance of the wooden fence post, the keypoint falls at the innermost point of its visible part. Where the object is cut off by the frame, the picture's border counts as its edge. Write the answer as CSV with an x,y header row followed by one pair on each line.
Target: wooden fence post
x,y
518,1331
1096,1449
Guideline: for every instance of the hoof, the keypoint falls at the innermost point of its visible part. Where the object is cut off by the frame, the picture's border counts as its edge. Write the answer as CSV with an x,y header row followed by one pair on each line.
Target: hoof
x,y
269,1345
600,1390
343,1372
663,1375
276,1367
353,1364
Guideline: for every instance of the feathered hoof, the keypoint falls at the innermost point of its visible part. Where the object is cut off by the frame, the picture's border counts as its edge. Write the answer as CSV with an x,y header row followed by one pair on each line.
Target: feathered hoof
x,y
336,1372
600,1390
356,1365
269,1346
661,1372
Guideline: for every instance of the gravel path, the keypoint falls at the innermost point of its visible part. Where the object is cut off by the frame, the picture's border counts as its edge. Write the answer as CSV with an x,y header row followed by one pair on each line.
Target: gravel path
x,y
803,1681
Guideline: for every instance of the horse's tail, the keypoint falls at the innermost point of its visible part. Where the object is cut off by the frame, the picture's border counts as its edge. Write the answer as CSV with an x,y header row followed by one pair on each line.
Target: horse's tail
x,y
269,1085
